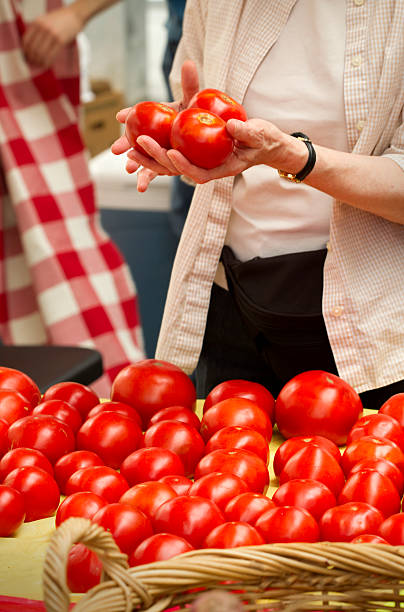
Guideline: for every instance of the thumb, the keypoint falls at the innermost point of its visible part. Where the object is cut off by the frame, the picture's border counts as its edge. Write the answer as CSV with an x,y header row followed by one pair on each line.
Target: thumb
x,y
189,81
245,132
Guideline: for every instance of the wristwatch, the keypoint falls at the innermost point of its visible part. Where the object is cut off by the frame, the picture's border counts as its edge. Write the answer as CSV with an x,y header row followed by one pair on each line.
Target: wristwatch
x,y
300,176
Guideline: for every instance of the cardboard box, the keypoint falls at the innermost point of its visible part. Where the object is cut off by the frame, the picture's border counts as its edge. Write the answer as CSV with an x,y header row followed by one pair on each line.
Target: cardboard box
x,y
99,125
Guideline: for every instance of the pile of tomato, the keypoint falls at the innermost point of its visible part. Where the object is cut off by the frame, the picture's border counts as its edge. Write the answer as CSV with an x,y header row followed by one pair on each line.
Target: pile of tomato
x,y
163,481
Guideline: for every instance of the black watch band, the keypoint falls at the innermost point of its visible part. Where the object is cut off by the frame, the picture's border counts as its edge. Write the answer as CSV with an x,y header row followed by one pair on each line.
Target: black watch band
x,y
300,176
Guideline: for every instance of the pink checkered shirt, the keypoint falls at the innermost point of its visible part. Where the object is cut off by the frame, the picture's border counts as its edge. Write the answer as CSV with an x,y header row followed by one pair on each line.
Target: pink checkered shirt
x,y
62,279
363,301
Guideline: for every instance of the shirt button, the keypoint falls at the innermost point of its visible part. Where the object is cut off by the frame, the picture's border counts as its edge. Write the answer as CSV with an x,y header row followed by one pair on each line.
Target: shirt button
x,y
359,2
337,311
360,125
356,61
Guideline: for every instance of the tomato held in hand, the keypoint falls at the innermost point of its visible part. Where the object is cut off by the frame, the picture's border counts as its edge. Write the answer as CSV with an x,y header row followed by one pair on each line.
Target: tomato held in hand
x,y
149,119
19,457
232,535
345,522
244,464
312,495
43,432
15,380
219,487
247,507
99,479
71,462
151,464
317,403
201,137
235,411
38,488
127,525
148,496
287,524
80,396
219,103
84,504
289,447
159,547
12,510
253,391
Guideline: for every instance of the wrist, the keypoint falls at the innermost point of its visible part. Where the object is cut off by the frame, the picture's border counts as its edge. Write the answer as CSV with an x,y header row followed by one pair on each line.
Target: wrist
x,y
305,167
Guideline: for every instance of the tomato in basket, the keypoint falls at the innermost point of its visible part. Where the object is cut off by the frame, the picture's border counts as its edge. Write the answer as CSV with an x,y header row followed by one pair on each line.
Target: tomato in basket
x,y
12,510
71,462
235,411
18,457
246,465
15,380
43,432
148,496
13,406
312,495
248,507
232,535
151,464
287,524
127,525
100,479
220,487
38,488
345,522
84,504
394,407
159,547
238,387
289,447
78,395
83,569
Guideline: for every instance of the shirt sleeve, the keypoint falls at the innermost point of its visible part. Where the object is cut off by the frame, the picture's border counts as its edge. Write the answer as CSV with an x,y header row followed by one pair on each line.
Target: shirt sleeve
x,y
396,149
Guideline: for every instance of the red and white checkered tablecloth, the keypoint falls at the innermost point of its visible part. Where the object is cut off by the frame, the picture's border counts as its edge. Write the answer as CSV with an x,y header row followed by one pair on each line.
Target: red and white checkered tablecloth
x,y
62,279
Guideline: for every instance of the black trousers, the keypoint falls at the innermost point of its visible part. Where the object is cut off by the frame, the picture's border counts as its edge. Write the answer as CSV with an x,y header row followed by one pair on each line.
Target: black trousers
x,y
281,344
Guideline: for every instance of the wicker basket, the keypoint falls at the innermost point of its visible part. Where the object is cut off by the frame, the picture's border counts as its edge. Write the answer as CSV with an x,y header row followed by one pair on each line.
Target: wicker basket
x,y
288,577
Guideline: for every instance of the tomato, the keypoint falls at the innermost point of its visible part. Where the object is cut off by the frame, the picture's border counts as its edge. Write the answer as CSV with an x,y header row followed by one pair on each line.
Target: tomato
x,y
112,436
219,487
38,488
84,504
190,517
12,510
80,396
71,462
127,525
83,569
317,464
61,410
150,385
370,447
383,466
379,426
244,464
368,538
13,406
392,529
3,436
317,403
180,484
176,413
306,493
118,407
180,438
394,407
15,380
99,479
345,522
247,507
289,447
148,496
150,119
159,547
373,488
232,535
201,137
236,411
44,433
287,524
240,437
151,464
19,457
253,391
219,103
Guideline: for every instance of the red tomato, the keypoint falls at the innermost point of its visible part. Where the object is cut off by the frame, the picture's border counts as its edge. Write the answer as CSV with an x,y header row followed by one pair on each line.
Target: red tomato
x,y
345,522
219,487
84,504
150,385
148,496
13,406
112,436
119,407
235,411
3,436
151,464
180,484
180,438
61,410
44,433
368,538
176,413
38,488
370,447
99,479
12,510
253,391
377,425
289,447
392,529
219,103
383,466
159,547
19,457
287,524
394,407
150,119
247,466
373,488
15,380
317,464
306,493
127,525
83,569
80,396
232,535
240,437
189,517
201,137
71,462
317,403
247,507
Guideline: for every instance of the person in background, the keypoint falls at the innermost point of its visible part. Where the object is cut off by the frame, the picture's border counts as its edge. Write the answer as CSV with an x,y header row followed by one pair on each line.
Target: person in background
x,y
62,280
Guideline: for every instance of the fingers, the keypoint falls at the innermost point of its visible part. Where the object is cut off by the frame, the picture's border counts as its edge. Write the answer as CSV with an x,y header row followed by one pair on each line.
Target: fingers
x,y
156,160
122,114
199,175
144,178
189,81
120,146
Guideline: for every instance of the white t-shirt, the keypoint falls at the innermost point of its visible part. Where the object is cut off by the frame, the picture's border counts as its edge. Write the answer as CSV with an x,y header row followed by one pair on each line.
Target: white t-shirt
x,y
272,216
